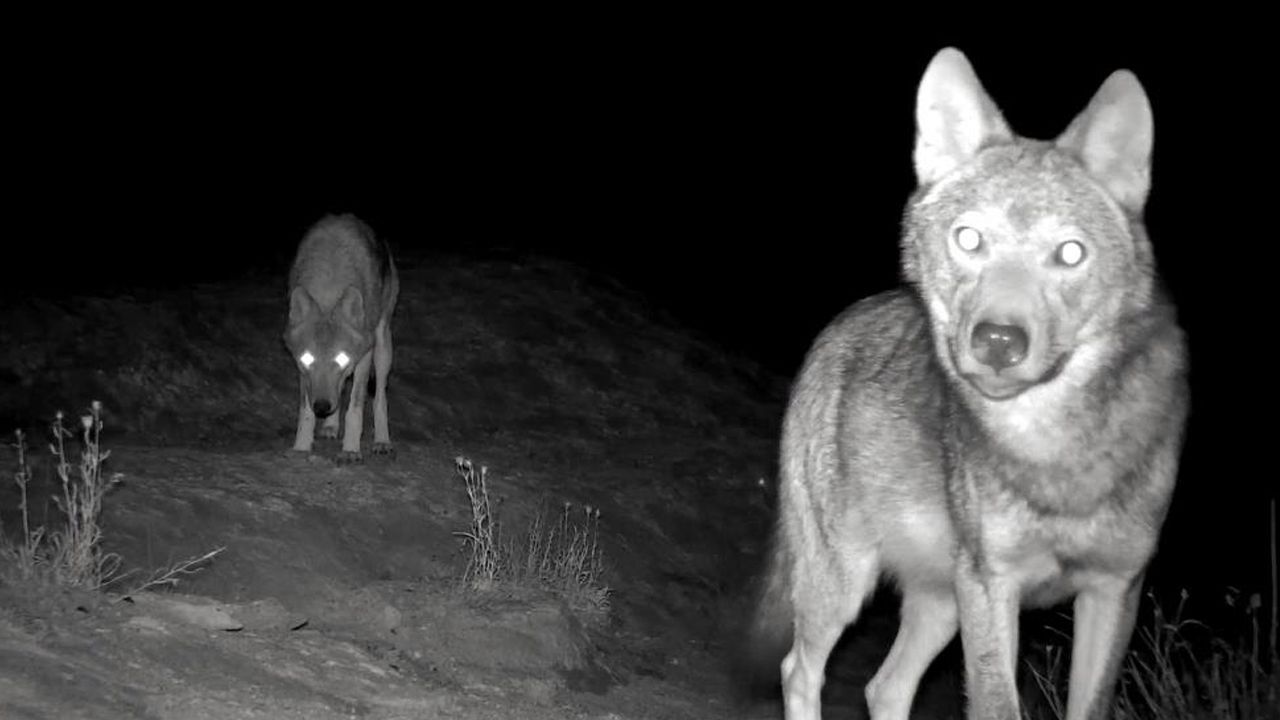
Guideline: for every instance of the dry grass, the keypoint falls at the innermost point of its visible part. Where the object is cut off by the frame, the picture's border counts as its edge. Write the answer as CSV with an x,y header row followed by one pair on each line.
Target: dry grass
x,y
484,567
72,555
562,556
1182,669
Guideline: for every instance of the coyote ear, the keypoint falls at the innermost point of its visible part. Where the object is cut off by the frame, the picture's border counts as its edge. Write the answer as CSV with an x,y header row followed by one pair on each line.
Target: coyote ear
x,y
1113,137
954,116
351,306
301,306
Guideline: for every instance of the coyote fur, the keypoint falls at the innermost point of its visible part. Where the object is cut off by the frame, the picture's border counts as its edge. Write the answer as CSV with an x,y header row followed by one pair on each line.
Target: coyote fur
x,y
343,288
1002,431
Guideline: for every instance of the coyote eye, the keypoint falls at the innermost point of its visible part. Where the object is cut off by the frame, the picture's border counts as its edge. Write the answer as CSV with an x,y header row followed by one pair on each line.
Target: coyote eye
x,y
306,358
342,359
968,239
1070,253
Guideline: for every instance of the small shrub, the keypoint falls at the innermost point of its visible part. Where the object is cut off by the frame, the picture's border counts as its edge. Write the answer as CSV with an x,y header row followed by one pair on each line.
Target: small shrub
x,y
562,556
71,555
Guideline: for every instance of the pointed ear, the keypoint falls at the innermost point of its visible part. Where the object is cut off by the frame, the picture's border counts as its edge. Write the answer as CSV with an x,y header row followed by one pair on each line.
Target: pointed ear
x,y
954,117
301,307
1113,138
351,306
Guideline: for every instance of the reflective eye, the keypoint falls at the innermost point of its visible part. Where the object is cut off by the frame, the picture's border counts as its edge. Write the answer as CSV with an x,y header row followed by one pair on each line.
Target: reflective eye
x,y
342,359
968,239
1070,253
306,358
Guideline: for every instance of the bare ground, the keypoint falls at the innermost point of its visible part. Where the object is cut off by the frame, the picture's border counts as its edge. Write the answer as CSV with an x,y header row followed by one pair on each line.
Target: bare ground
x,y
338,593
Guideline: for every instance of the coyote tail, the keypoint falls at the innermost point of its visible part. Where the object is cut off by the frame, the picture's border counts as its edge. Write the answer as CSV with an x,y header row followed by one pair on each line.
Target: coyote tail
x,y
769,635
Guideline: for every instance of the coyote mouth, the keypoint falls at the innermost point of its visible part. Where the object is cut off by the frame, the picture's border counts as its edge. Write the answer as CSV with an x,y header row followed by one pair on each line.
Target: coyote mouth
x,y
999,388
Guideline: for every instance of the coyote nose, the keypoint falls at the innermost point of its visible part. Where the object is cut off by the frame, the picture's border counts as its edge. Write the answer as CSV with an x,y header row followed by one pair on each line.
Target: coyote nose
x,y
322,408
999,346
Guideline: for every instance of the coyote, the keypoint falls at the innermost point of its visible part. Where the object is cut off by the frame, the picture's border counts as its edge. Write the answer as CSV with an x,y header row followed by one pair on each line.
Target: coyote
x,y
1004,430
342,293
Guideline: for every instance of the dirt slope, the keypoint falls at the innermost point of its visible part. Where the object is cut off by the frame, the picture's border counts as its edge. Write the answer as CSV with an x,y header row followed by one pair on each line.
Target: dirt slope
x,y
337,594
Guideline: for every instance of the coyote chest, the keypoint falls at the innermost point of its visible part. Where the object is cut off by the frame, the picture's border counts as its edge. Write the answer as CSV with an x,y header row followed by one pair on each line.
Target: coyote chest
x,y
1043,522
1052,558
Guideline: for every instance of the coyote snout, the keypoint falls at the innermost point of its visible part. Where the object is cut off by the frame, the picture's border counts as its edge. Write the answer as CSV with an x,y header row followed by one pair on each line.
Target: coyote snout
x,y
999,346
1006,338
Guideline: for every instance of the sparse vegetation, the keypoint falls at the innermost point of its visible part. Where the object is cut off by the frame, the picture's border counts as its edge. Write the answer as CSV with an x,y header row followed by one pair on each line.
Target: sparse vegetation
x,y
21,560
562,556
170,577
1182,669
72,555
483,568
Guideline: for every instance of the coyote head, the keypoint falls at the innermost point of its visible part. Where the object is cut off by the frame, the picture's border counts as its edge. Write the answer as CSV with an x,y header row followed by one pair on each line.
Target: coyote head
x,y
326,345
1027,253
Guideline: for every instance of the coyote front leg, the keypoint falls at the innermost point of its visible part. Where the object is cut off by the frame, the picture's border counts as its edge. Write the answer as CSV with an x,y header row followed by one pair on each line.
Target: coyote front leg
x,y
1104,617
988,605
381,368
353,426
306,419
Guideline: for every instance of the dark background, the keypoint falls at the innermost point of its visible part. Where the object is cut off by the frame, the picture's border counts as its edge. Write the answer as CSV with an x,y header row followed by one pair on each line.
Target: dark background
x,y
746,174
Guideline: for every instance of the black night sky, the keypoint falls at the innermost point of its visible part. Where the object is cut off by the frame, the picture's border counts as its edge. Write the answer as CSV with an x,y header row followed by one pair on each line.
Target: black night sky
x,y
749,180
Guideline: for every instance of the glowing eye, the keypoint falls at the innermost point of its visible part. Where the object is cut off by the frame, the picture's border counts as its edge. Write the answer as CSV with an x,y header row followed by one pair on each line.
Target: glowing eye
x,y
342,359
1070,253
306,358
968,239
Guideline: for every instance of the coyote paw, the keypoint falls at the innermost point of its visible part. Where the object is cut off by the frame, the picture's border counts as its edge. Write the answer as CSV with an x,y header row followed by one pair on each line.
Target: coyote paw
x,y
328,433
384,448
347,457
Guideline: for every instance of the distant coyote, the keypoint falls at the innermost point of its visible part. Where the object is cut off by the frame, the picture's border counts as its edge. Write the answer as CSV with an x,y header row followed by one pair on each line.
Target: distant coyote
x,y
342,293
1005,430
